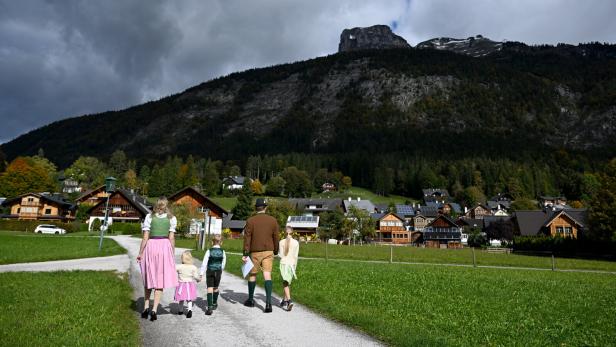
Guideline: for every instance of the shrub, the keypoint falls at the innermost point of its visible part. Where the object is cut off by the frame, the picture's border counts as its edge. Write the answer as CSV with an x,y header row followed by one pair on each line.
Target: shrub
x,y
30,225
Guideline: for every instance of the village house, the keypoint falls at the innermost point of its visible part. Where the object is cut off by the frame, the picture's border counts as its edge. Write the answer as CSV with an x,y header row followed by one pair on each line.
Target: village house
x,y
314,207
305,226
563,223
549,201
234,182
235,226
423,217
436,195
328,187
70,186
124,206
39,206
365,205
478,212
407,212
501,201
198,204
390,228
442,232
92,196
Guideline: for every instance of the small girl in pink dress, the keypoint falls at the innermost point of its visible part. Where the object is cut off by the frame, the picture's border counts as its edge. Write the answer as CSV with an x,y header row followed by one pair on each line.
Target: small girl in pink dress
x,y
187,288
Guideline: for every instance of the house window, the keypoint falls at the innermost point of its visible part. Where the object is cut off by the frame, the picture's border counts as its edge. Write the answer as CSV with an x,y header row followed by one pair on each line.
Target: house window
x,y
568,230
559,230
47,211
30,199
117,209
18,210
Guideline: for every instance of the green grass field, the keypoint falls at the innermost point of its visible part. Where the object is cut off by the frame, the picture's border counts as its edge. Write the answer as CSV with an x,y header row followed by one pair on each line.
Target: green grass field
x,y
414,305
430,255
365,194
79,308
19,247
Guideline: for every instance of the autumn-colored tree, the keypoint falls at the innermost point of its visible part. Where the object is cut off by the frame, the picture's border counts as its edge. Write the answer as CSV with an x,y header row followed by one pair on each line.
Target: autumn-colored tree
x,y
22,177
257,187
130,179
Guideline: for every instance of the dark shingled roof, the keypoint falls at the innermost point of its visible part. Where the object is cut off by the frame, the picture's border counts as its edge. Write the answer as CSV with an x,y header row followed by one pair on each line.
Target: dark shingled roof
x,y
530,222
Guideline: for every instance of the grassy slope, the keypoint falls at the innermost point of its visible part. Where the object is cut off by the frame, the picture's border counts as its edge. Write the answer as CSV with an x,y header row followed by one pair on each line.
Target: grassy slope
x,y
365,194
23,247
407,305
83,308
430,255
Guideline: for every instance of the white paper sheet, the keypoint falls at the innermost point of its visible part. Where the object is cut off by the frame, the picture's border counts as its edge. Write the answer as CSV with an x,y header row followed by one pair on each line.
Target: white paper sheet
x,y
247,267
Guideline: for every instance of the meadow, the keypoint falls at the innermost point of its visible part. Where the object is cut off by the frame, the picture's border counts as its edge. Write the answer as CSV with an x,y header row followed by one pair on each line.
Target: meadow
x,y
429,255
19,247
78,308
416,305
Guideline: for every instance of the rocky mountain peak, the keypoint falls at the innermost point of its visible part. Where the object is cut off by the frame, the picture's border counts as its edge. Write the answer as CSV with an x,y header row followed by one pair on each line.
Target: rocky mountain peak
x,y
374,37
475,46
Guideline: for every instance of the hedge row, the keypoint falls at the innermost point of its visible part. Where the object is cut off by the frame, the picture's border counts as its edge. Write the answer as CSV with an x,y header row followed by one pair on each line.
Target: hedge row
x,y
564,246
29,226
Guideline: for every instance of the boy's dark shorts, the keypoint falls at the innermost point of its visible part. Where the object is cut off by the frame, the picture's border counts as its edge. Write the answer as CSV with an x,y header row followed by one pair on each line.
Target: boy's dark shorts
x,y
212,278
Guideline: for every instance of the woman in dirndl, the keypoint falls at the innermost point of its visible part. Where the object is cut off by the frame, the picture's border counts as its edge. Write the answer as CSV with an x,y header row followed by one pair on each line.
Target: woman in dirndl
x,y
156,255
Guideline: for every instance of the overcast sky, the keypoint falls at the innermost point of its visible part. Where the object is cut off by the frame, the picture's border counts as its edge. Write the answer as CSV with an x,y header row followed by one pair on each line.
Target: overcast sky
x,y
66,58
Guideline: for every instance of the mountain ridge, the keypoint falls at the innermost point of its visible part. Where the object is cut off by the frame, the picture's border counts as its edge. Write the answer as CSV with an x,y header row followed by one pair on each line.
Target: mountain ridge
x,y
366,100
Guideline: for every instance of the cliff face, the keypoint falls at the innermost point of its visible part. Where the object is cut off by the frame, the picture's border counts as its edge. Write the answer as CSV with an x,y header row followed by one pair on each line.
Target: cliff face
x,y
374,37
404,100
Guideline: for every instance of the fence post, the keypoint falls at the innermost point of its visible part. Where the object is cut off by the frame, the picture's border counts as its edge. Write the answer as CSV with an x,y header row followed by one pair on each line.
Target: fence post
x,y
326,254
553,263
391,254
474,260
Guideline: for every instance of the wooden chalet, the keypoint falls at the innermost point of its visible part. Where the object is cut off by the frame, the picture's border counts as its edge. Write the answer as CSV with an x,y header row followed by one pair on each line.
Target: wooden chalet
x,y
235,226
478,212
39,206
443,232
563,223
124,206
93,196
197,204
390,228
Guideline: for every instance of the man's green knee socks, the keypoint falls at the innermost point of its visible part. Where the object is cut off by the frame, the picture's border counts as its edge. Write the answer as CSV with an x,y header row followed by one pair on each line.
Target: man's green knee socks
x,y
251,289
268,292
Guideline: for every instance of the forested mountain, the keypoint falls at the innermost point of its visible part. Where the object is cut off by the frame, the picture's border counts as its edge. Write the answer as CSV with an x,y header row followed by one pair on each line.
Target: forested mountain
x,y
370,109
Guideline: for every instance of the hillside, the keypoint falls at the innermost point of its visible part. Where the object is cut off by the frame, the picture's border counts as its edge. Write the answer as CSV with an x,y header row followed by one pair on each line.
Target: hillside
x,y
518,99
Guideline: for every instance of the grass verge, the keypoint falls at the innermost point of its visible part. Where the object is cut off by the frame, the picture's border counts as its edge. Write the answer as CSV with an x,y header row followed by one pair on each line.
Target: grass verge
x,y
79,308
409,305
17,247
431,255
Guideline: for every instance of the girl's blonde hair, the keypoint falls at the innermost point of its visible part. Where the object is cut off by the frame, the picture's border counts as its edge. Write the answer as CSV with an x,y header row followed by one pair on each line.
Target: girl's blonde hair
x,y
187,258
162,206
287,242
217,239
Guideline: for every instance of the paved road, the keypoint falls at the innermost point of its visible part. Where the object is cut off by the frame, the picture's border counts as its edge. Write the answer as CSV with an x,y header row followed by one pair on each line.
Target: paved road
x,y
233,324
119,263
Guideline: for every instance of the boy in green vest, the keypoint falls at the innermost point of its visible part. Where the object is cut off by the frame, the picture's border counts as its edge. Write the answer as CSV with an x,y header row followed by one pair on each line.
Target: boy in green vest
x,y
214,262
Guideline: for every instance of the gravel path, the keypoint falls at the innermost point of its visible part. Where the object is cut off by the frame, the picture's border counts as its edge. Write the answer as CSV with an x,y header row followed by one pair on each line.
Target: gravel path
x,y
233,324
119,263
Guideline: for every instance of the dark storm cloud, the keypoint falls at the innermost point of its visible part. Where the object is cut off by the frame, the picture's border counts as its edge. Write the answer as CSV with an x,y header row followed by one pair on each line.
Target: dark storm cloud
x,y
67,58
